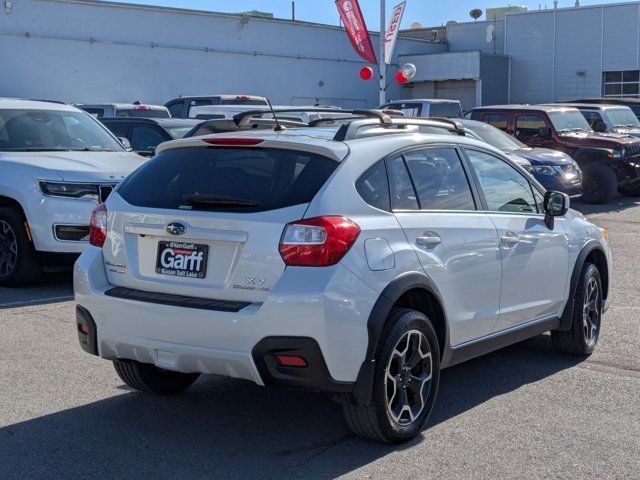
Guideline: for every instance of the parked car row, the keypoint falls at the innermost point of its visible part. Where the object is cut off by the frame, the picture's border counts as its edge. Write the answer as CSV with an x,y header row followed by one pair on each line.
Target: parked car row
x,y
609,162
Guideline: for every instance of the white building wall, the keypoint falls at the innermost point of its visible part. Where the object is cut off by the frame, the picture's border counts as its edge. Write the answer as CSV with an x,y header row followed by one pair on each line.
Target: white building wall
x,y
562,54
91,51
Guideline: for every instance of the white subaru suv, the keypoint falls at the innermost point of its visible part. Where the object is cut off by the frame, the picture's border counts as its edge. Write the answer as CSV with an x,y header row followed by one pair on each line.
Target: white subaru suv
x,y
56,164
358,261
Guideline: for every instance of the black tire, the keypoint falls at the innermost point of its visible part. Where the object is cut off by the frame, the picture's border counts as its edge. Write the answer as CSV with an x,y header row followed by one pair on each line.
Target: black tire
x,y
599,183
375,422
630,190
18,264
577,341
151,379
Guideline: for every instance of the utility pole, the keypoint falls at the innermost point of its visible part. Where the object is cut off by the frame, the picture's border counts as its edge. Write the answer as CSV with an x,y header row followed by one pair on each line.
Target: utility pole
x,y
381,59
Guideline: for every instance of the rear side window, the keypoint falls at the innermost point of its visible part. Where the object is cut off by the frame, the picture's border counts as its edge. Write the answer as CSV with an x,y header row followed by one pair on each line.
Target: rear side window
x,y
373,187
410,109
228,179
527,125
439,179
498,120
403,195
142,113
145,139
446,110
95,112
176,109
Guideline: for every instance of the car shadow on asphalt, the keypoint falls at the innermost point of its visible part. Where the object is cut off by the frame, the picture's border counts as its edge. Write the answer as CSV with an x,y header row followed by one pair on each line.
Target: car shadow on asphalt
x,y
226,428
617,204
52,287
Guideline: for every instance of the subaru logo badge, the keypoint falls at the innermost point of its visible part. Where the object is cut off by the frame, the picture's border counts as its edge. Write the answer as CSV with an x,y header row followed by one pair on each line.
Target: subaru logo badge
x,y
176,228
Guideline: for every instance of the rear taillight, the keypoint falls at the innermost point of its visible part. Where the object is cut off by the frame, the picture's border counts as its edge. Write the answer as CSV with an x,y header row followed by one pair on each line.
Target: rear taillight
x,y
142,107
317,242
98,226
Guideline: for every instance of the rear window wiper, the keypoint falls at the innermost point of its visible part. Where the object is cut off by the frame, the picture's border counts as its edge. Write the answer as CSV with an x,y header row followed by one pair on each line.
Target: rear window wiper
x,y
197,200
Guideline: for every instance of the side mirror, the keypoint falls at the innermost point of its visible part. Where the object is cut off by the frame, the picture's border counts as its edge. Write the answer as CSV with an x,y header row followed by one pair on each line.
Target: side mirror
x,y
125,142
599,127
544,132
556,204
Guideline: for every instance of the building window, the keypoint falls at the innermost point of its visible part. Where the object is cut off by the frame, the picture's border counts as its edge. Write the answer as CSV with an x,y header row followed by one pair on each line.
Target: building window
x,y
621,84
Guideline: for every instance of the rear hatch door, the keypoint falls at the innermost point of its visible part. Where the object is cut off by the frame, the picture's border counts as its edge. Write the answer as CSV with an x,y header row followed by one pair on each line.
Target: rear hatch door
x,y
207,222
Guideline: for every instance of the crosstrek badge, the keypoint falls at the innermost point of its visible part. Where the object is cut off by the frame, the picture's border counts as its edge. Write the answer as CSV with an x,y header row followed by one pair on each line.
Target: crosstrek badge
x,y
180,259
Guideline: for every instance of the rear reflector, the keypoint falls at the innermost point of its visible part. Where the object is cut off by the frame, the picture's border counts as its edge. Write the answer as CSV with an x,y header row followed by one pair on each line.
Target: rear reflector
x,y
291,361
317,242
233,142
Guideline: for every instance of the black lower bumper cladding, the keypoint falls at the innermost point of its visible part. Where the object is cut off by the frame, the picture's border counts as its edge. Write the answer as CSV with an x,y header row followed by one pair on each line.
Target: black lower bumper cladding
x,y
87,332
315,376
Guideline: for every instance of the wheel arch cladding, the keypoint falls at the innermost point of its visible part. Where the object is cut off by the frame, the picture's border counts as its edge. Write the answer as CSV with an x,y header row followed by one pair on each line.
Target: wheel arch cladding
x,y
11,202
592,252
415,291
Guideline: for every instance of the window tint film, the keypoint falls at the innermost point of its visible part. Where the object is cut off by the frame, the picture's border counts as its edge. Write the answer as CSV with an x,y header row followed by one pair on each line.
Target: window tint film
x,y
403,196
439,179
145,139
228,179
505,189
373,187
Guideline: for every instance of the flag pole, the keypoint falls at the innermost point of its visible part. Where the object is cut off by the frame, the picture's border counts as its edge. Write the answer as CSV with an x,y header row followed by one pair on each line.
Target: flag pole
x,y
382,66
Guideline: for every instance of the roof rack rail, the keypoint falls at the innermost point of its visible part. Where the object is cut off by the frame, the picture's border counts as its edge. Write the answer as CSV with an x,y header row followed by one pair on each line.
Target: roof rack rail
x,y
59,102
378,114
349,131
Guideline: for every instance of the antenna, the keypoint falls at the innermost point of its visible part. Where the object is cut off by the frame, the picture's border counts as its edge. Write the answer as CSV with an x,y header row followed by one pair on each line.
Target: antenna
x,y
279,128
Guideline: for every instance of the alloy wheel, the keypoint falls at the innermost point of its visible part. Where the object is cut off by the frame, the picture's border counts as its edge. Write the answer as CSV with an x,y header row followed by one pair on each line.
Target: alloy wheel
x,y
408,378
8,249
591,312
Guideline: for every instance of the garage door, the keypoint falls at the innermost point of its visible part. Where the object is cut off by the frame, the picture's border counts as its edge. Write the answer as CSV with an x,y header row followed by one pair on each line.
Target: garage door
x,y
463,90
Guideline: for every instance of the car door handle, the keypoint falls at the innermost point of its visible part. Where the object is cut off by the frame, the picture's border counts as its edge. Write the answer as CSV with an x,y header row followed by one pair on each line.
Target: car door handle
x,y
429,239
509,239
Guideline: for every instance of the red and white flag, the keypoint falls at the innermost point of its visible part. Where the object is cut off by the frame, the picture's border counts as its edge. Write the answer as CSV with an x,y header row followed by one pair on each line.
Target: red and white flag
x,y
392,32
353,21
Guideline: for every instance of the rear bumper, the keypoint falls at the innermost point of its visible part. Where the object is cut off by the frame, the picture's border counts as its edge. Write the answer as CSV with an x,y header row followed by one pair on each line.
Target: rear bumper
x,y
331,310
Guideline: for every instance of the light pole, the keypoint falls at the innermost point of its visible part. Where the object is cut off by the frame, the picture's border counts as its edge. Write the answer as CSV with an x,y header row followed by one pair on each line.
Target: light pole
x,y
383,65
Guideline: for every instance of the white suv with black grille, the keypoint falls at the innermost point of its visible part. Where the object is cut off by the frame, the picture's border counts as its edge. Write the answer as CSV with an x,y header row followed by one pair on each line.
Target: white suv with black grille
x,y
56,164
358,261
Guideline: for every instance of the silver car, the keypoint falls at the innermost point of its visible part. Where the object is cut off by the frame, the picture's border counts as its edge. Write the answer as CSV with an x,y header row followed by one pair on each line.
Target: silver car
x,y
358,260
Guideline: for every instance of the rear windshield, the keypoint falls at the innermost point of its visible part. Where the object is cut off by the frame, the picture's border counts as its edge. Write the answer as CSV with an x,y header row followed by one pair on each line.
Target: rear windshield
x,y
228,179
242,101
446,110
143,113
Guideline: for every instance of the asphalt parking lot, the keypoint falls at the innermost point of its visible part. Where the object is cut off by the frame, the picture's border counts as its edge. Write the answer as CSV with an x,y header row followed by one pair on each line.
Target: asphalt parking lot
x,y
522,412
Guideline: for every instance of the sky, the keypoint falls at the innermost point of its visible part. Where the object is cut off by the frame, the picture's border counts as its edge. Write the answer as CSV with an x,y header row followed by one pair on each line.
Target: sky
x,y
427,12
